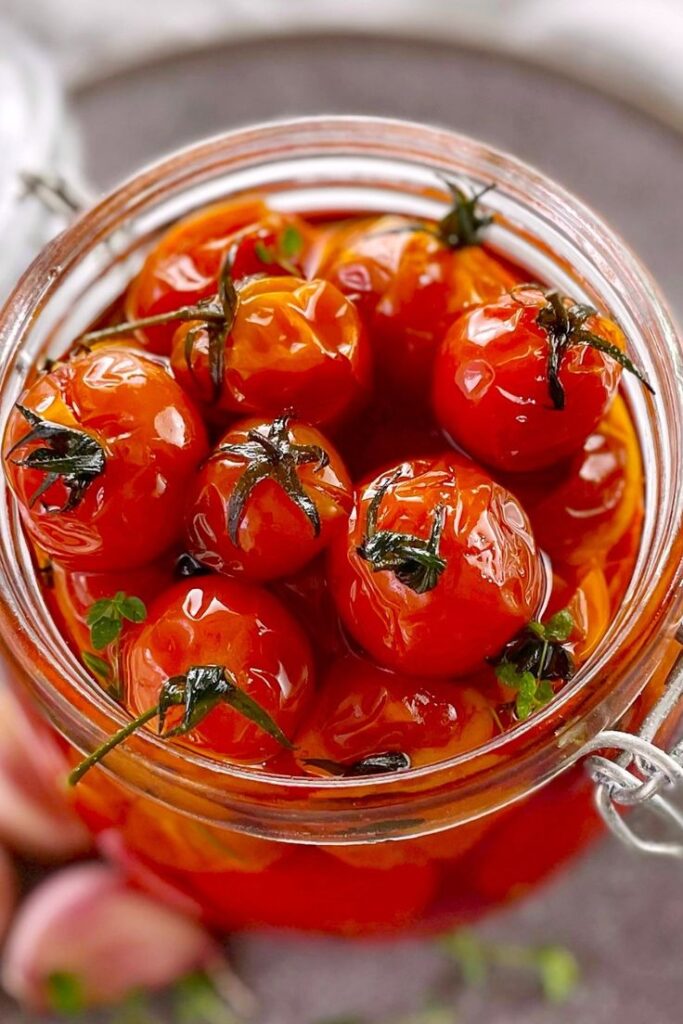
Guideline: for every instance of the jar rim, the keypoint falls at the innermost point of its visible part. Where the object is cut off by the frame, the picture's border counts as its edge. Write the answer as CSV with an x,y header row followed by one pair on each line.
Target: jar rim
x,y
439,153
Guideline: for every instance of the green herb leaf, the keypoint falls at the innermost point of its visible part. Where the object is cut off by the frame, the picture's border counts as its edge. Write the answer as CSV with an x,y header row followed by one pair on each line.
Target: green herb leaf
x,y
534,659
290,242
264,252
98,666
65,993
559,626
105,617
558,973
133,609
197,1002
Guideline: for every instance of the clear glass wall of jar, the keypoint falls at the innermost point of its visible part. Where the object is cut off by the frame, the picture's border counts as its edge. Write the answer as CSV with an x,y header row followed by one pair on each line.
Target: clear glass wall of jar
x,y
438,845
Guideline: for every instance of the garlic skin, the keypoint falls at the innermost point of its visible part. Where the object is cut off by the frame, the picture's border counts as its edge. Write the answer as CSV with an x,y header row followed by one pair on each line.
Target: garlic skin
x,y
8,891
36,820
87,924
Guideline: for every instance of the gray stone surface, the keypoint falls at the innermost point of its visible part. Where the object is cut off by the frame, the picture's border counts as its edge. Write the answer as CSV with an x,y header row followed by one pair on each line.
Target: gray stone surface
x,y
622,916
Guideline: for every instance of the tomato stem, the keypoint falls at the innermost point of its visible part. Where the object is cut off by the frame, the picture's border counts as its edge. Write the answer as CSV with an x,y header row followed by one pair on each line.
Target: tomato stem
x,y
118,737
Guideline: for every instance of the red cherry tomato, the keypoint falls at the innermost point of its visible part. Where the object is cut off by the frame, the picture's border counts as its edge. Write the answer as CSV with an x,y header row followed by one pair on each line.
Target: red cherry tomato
x,y
184,266
269,499
496,393
209,621
438,568
363,710
101,458
581,509
310,891
409,285
293,345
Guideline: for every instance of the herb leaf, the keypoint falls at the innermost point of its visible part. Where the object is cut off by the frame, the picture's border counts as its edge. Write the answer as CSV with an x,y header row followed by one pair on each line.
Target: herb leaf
x,y
373,764
98,666
534,659
106,617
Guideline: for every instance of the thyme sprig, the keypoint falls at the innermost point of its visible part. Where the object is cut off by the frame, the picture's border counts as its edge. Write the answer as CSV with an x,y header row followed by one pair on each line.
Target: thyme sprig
x,y
565,325
534,659
288,246
70,455
198,691
271,454
105,619
416,562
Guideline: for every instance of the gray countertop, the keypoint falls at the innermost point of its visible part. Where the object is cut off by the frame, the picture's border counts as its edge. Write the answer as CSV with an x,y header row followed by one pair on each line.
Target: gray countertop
x,y
622,916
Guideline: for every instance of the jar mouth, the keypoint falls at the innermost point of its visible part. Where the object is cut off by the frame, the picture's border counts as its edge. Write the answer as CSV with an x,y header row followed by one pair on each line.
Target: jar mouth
x,y
537,222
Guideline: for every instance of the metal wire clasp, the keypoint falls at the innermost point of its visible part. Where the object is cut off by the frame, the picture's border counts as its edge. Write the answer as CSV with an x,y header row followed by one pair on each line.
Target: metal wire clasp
x,y
642,774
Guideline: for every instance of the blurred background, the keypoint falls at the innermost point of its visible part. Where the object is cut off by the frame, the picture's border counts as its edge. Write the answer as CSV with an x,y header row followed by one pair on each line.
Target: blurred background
x,y
590,92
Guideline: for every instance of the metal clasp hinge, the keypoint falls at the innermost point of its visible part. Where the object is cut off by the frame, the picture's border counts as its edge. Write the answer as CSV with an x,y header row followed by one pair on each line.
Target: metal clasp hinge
x,y
642,774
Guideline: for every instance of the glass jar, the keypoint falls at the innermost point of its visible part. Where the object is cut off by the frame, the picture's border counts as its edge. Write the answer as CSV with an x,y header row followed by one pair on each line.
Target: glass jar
x,y
434,846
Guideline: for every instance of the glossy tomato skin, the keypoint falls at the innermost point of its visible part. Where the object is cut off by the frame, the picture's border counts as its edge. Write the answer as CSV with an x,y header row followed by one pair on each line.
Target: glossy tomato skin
x,y
362,710
409,286
493,584
153,440
211,620
184,266
294,345
275,537
581,508
490,387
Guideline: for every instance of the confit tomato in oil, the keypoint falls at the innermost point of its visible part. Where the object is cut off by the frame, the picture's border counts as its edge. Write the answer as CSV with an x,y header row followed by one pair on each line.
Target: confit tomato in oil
x,y
438,568
520,383
268,500
410,282
184,266
100,453
288,345
365,712
208,623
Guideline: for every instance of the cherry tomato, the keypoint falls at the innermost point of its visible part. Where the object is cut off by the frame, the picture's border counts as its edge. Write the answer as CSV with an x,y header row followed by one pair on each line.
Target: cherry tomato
x,y
99,453
438,568
293,345
518,383
269,499
213,623
184,266
581,509
410,284
363,711
310,891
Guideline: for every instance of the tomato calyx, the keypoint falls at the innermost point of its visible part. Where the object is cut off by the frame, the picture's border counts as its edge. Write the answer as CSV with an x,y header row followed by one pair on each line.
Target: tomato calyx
x,y
463,224
373,764
416,562
70,455
565,326
272,455
197,691
536,658
215,316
